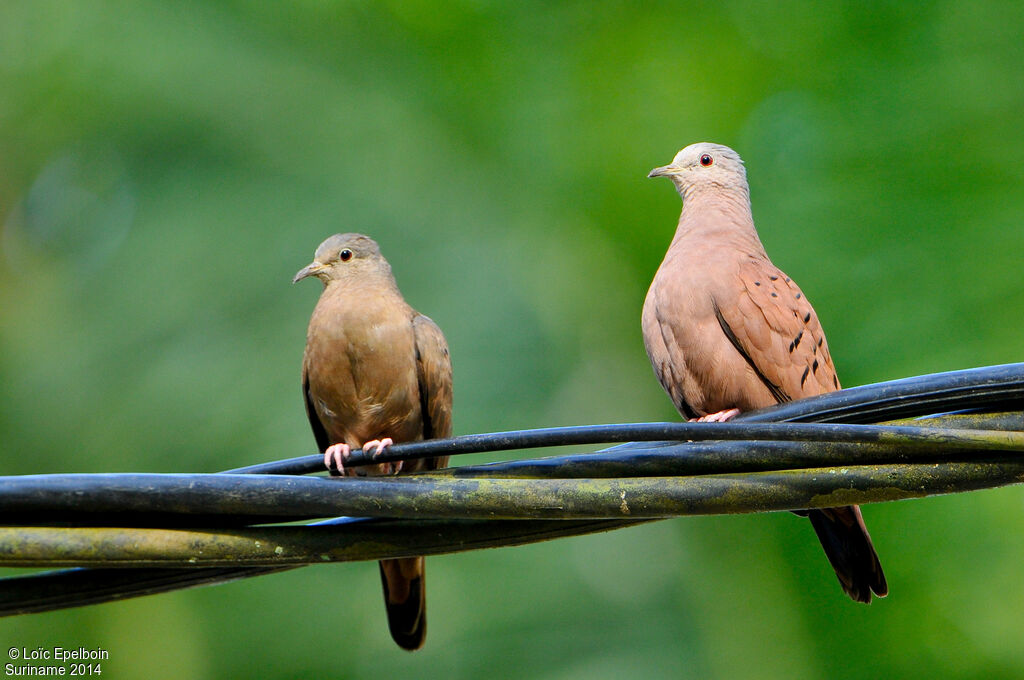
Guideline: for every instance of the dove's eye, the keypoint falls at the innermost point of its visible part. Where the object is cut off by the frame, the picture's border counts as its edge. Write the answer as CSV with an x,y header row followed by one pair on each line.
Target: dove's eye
x,y
706,160
346,255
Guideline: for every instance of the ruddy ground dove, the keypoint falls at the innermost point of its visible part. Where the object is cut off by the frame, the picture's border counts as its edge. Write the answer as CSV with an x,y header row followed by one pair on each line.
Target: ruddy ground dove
x,y
727,331
375,372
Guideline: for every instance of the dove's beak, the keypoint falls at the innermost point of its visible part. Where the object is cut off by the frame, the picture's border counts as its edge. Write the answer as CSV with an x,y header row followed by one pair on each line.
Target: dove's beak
x,y
311,269
663,171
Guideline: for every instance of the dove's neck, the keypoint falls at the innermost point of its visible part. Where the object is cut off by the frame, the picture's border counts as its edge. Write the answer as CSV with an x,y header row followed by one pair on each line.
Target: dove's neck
x,y
367,280
716,214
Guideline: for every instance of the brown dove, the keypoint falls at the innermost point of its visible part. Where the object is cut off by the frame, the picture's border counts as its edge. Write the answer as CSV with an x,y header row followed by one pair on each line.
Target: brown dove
x,y
727,331
375,372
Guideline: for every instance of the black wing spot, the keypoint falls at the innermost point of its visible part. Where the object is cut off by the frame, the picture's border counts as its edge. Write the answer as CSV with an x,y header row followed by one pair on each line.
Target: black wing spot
x,y
757,283
807,317
814,366
820,340
798,296
774,278
788,279
804,376
835,382
796,340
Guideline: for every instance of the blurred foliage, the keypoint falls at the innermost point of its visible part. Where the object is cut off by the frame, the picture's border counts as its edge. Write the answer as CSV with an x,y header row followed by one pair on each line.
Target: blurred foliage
x,y
166,167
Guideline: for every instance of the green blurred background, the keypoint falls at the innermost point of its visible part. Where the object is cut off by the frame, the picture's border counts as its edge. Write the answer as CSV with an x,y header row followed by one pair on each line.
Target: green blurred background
x,y
165,168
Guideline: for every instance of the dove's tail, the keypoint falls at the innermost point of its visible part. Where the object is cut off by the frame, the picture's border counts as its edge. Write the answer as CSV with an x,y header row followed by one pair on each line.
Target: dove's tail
x,y
848,547
405,598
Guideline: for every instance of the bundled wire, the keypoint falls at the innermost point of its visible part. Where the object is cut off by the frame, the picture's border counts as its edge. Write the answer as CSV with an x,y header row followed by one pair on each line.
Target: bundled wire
x,y
183,530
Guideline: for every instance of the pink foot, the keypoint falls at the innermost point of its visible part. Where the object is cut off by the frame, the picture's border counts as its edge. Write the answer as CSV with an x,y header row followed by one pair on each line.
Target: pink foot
x,y
718,417
334,455
380,445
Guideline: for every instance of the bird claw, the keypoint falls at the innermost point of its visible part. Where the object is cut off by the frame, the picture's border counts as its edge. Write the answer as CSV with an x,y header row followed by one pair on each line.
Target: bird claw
x,y
717,417
334,457
380,445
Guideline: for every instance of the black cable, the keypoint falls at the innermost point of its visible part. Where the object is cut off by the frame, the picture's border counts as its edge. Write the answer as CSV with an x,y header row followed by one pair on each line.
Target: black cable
x,y
209,499
990,387
993,388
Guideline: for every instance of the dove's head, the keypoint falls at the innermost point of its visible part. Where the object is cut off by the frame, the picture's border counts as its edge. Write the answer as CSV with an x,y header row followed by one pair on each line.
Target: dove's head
x,y
705,165
345,256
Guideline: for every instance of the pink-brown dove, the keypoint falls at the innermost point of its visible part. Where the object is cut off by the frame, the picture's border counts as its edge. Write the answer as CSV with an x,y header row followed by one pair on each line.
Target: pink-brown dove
x,y
727,331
